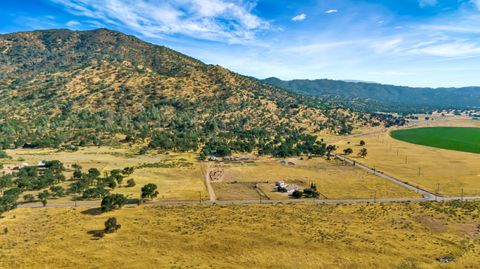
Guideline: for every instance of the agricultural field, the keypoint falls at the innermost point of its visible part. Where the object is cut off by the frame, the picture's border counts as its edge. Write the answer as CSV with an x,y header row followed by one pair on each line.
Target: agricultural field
x,y
178,176
434,169
333,179
405,235
454,138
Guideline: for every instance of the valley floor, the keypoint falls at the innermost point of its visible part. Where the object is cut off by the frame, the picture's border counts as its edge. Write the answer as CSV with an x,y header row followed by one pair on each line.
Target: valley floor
x,y
432,169
406,235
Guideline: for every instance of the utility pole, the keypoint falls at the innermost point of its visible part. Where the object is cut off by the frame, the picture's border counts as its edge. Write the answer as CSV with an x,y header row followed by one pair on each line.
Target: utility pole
x,y
437,191
462,193
419,171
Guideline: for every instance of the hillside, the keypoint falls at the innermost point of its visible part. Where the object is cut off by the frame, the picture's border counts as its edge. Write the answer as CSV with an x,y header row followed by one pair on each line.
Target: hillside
x,y
66,88
378,97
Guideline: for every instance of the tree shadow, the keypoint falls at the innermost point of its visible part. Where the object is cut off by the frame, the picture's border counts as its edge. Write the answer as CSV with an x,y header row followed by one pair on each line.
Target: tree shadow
x,y
96,234
92,211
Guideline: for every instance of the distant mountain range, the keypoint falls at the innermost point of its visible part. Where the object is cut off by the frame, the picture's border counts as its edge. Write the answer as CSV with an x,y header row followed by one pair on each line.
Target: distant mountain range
x,y
379,97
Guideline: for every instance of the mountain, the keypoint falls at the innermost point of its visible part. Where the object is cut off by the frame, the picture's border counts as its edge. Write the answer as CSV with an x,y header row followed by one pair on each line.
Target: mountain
x,y
73,88
378,97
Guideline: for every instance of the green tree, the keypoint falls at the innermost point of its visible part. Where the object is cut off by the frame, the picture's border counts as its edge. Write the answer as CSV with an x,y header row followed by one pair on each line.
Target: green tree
x,y
113,201
149,191
348,151
43,196
297,194
111,225
57,191
363,153
93,173
128,171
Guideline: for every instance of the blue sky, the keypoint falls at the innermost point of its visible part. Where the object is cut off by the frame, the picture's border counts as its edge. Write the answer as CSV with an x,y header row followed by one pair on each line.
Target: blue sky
x,y
403,42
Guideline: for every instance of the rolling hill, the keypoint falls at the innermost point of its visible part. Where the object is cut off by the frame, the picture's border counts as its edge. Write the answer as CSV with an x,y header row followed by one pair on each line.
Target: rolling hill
x,y
74,88
378,97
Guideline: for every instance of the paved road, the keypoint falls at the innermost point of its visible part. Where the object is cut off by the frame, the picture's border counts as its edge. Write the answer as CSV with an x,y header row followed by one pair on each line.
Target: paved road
x,y
424,193
428,196
252,202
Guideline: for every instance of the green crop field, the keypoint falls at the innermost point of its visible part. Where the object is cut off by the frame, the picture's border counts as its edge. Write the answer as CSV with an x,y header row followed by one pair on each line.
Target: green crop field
x,y
455,138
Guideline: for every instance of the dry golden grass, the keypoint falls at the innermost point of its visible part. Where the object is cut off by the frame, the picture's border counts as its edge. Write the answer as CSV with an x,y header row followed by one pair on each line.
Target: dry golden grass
x,y
333,180
250,236
173,183
453,170
185,183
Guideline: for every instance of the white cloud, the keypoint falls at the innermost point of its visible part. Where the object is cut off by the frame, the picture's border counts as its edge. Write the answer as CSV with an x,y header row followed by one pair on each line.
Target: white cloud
x,y
427,3
72,23
220,20
331,11
387,45
300,17
455,49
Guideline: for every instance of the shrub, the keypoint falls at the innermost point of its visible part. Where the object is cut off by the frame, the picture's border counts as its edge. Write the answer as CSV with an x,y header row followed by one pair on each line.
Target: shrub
x,y
28,198
111,225
131,183
4,155
297,194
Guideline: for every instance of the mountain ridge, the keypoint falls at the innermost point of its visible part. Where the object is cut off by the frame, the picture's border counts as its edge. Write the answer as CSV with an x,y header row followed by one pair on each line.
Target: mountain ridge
x,y
89,87
388,98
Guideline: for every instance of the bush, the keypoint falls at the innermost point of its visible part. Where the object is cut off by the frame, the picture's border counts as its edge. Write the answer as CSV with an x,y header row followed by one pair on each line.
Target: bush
x,y
95,193
28,198
43,196
111,225
297,194
310,193
57,191
131,183
4,155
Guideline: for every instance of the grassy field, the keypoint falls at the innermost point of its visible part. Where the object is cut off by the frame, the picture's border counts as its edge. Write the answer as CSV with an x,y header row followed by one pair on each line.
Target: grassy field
x,y
333,179
455,138
250,236
430,168
174,183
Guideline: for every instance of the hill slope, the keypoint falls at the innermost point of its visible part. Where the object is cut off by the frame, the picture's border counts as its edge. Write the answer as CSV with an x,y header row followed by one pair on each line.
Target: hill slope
x,y
101,86
373,96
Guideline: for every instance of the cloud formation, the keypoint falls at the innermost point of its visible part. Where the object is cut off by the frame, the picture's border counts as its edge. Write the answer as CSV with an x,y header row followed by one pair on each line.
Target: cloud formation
x,y
219,20
331,11
72,23
300,17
